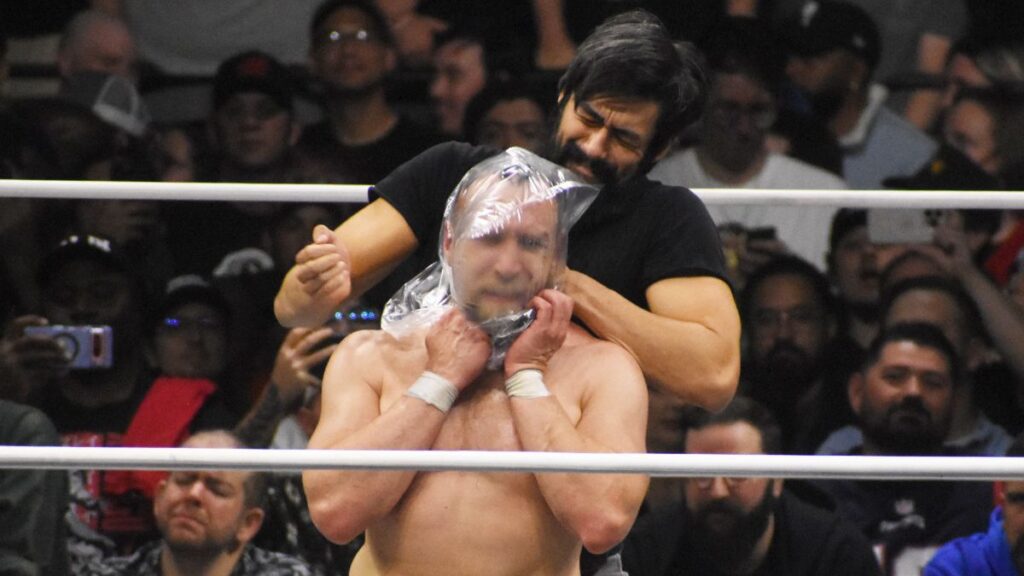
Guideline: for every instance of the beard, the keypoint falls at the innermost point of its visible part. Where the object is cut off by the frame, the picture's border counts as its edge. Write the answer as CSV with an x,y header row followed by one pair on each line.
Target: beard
x,y
906,428
728,543
782,376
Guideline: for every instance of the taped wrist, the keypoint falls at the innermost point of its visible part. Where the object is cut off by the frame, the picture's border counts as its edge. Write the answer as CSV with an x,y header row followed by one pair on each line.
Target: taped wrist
x,y
528,383
435,390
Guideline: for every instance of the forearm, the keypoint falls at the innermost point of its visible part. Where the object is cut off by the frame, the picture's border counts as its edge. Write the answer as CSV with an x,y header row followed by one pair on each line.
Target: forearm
x,y
598,508
343,503
1002,319
258,426
697,358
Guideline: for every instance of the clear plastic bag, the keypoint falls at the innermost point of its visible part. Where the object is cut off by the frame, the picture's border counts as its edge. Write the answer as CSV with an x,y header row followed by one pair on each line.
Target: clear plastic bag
x,y
504,238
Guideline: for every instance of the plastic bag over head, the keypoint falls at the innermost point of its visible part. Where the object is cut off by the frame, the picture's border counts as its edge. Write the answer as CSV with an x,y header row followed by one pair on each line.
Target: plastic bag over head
x,y
503,239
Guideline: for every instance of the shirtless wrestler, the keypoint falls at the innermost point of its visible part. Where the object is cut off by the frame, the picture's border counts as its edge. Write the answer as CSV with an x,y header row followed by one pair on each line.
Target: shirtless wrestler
x,y
559,390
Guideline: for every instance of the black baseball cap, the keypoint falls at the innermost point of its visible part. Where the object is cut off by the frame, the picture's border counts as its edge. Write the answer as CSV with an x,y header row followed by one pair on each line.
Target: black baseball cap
x,y
76,247
826,25
949,169
253,71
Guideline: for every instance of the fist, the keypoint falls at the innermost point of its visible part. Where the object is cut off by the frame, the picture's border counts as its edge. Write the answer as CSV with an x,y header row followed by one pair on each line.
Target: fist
x,y
535,347
323,267
457,349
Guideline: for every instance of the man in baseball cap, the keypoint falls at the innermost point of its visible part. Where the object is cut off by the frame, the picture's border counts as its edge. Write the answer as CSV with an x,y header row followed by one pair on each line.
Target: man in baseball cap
x,y
834,48
253,124
826,26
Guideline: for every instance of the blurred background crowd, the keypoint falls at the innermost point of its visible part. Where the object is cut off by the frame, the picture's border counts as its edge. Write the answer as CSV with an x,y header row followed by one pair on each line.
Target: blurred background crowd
x,y
869,94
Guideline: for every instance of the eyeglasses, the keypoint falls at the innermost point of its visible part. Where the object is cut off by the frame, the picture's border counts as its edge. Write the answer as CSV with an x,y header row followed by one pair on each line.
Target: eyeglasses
x,y
730,483
761,116
206,323
332,37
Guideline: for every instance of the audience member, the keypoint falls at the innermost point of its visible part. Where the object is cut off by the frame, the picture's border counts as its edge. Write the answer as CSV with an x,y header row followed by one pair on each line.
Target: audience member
x,y
996,552
916,39
738,526
32,502
834,52
986,127
190,345
460,73
206,521
95,41
984,64
792,364
853,268
253,132
903,398
506,114
941,303
252,121
745,72
352,54
110,400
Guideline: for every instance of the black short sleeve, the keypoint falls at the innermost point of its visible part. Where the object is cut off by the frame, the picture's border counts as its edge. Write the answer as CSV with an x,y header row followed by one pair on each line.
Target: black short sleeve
x,y
419,188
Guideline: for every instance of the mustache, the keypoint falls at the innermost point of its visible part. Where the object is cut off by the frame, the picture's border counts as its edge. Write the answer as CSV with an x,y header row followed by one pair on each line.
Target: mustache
x,y
604,171
910,405
718,507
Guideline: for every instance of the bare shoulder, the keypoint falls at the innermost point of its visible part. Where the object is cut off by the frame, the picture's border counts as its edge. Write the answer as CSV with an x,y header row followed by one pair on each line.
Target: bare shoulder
x,y
373,354
597,359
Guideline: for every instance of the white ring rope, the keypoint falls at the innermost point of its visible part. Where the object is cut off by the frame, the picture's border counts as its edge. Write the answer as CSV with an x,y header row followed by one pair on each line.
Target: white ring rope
x,y
358,193
96,190
667,465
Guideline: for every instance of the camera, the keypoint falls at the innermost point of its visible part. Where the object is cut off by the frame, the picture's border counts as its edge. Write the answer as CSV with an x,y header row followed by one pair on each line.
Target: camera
x,y
86,347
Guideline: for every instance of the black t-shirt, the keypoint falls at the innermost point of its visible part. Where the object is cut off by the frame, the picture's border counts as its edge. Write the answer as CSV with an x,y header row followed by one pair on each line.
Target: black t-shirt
x,y
632,236
808,541
907,521
369,163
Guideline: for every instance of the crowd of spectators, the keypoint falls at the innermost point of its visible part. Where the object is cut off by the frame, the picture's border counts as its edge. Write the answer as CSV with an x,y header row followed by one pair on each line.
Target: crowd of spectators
x,y
854,342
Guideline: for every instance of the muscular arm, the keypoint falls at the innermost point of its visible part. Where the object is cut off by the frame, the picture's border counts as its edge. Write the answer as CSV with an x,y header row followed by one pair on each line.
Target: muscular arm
x,y
609,389
343,503
343,264
598,508
689,341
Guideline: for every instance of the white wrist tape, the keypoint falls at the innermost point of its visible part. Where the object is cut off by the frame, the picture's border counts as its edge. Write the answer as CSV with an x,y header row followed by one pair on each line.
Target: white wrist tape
x,y
434,390
527,383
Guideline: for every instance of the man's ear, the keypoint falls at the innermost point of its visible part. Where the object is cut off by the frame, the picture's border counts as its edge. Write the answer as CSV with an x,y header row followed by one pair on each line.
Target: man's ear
x,y
855,391
252,519
294,132
446,245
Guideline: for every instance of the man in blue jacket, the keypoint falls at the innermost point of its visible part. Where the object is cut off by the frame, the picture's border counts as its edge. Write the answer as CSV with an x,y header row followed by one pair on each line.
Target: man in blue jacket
x,y
998,552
